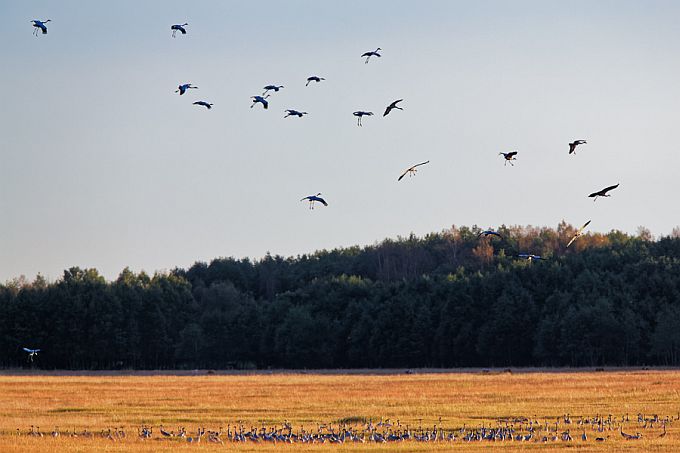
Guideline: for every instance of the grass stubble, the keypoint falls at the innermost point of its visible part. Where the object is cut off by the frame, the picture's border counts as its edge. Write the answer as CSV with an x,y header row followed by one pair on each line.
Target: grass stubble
x,y
96,402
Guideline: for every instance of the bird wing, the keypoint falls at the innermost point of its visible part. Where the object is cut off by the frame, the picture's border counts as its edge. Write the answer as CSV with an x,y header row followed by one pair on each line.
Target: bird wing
x,y
323,202
181,29
607,189
422,163
584,226
387,110
306,198
572,147
265,104
572,240
367,54
404,174
30,350
512,153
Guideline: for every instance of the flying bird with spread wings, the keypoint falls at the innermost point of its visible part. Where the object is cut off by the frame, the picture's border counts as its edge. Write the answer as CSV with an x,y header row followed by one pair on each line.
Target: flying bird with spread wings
x,y
574,144
488,233
392,106
178,28
509,157
313,198
31,353
603,192
412,170
368,55
578,233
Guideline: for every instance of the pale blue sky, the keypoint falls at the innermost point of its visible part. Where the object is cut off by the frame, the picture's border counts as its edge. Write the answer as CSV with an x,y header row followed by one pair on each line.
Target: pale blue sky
x,y
102,165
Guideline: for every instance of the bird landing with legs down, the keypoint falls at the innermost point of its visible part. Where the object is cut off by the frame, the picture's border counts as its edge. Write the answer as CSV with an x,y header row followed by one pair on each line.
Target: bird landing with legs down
x,y
368,55
574,144
360,114
509,157
31,353
313,198
412,170
178,28
603,192
40,25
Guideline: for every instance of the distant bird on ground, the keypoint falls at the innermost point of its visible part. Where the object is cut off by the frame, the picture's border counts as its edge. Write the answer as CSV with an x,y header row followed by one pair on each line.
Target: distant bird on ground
x,y
603,192
368,55
274,88
574,144
261,100
578,233
314,79
204,104
359,114
509,157
179,27
40,25
291,112
392,106
31,353
183,88
530,257
488,233
412,170
313,198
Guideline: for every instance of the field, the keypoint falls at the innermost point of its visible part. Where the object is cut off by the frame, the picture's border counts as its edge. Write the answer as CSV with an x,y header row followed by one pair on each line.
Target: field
x,y
95,402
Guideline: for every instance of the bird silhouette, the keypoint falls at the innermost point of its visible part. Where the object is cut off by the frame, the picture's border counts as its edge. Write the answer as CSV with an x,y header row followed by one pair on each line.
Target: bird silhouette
x,y
178,27
40,25
261,100
487,233
291,112
578,233
530,257
204,104
313,198
603,192
314,79
368,55
392,106
411,171
184,87
274,88
574,144
509,157
359,114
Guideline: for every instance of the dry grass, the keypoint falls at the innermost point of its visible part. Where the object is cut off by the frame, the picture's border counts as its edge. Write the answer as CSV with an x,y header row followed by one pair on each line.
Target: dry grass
x,y
96,402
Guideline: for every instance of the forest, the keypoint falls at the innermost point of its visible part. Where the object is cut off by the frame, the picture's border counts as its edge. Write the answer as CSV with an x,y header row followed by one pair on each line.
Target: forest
x,y
449,299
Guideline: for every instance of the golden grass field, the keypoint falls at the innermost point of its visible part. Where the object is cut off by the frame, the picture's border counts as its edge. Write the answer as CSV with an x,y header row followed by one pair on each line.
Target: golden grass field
x,y
98,401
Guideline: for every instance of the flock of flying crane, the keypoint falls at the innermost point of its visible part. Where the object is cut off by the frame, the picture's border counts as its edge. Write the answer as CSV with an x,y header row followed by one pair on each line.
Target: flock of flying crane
x,y
40,26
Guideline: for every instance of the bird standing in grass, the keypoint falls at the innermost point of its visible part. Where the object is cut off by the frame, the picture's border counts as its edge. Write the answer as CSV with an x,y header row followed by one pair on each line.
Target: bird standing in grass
x,y
392,106
412,170
574,144
603,192
359,114
40,25
179,28
313,198
184,87
204,104
578,233
509,157
368,55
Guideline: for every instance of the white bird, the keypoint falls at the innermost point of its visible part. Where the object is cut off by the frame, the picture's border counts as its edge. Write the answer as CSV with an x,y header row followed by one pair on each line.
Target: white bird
x,y
359,114
261,100
204,104
578,233
412,170
40,25
314,79
313,198
178,27
291,112
368,55
183,88
31,353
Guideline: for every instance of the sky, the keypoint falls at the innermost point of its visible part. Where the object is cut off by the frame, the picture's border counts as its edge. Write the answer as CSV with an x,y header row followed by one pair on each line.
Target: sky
x,y
103,165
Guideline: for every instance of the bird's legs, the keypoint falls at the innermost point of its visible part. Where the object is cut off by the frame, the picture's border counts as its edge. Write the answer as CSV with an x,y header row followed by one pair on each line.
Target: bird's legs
x,y
174,32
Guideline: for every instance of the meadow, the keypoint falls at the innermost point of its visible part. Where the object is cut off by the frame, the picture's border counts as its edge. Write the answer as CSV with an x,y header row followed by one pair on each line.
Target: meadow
x,y
97,401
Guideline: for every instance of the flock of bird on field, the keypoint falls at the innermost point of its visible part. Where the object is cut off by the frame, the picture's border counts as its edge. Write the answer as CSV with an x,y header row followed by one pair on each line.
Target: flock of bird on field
x,y
563,429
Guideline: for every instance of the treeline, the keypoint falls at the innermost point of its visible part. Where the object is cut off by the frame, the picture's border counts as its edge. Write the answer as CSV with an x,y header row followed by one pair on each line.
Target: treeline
x,y
449,299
